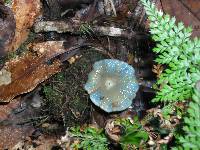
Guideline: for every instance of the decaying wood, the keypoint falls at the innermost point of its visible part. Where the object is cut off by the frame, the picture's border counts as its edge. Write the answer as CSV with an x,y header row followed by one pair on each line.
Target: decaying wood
x,y
26,11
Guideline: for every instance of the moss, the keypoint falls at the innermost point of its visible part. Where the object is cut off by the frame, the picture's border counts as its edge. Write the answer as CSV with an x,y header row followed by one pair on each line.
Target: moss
x,y
23,47
64,97
53,101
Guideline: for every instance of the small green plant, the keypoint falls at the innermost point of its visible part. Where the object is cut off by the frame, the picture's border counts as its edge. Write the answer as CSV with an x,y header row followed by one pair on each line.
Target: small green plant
x,y
177,51
7,1
134,134
89,138
191,139
11,55
172,109
85,29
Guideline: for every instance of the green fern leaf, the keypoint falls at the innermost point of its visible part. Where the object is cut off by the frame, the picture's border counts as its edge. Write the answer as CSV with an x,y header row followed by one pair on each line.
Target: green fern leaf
x,y
177,51
192,123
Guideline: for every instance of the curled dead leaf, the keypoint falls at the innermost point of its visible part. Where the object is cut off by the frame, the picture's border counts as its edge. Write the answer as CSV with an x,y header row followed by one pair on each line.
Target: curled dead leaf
x,y
113,131
166,139
158,69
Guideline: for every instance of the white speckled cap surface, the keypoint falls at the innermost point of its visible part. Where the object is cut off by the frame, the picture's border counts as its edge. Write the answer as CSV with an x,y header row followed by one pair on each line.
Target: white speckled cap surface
x,y
112,85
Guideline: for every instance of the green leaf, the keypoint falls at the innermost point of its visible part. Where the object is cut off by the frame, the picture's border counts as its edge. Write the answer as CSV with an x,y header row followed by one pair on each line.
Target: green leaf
x,y
134,138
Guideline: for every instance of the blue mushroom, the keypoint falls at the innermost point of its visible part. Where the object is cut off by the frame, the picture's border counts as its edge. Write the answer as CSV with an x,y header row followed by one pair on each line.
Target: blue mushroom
x,y
112,85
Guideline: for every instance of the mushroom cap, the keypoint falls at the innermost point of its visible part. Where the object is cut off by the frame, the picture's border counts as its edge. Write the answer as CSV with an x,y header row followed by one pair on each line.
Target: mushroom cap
x,y
112,85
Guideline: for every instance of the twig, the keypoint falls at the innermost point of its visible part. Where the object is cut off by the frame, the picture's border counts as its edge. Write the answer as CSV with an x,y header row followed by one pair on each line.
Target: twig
x,y
64,27
102,51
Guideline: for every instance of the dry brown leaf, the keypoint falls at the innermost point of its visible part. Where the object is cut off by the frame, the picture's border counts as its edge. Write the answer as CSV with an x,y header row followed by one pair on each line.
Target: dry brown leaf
x,y
131,58
10,136
26,73
112,130
158,69
25,12
186,11
166,139
30,70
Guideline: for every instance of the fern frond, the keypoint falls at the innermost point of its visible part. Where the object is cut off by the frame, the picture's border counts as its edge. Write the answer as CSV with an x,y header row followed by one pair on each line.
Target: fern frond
x,y
89,139
191,139
175,49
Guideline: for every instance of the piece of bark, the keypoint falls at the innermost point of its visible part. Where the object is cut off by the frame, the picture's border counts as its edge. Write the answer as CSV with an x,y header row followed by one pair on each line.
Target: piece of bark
x,y
26,12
